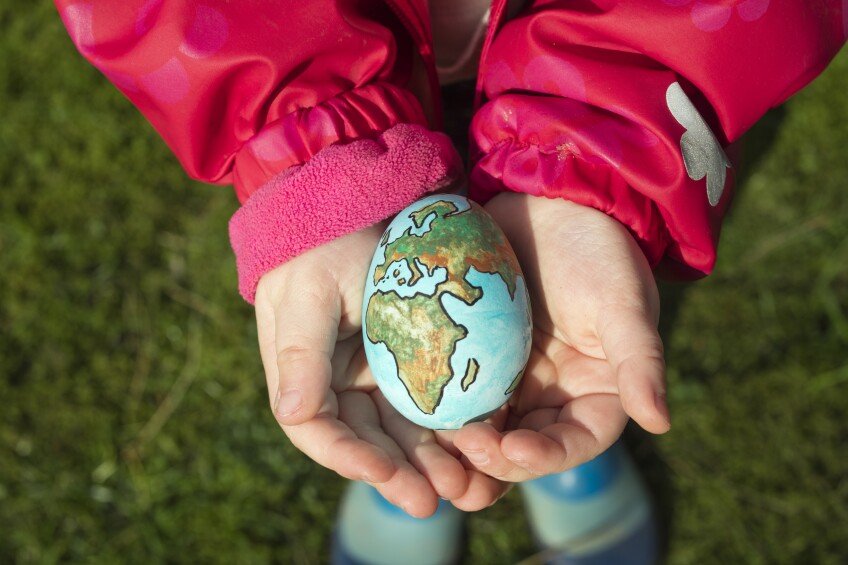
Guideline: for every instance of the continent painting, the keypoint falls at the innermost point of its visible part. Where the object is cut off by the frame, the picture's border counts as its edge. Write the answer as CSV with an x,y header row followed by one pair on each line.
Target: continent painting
x,y
446,315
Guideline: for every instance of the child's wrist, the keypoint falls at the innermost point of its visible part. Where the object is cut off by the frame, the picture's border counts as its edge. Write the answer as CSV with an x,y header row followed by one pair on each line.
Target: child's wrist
x,y
342,189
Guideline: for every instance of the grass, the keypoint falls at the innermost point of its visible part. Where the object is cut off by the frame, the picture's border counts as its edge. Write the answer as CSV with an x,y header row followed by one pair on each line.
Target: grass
x,y
134,424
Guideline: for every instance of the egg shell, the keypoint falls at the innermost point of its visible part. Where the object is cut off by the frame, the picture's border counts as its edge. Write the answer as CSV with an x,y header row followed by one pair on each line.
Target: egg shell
x,y
446,314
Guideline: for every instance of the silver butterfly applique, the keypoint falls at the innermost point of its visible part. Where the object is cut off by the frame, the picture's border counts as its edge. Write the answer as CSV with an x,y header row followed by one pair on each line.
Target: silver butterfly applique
x,y
702,153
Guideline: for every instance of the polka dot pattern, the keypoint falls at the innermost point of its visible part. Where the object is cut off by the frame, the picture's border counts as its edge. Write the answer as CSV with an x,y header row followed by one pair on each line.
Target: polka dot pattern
x,y
147,16
123,81
542,73
267,146
77,19
168,84
751,10
713,15
710,17
206,34
499,77
575,129
547,73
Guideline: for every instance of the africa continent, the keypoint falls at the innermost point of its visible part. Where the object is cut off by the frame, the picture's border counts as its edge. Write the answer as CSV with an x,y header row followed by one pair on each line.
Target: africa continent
x,y
417,330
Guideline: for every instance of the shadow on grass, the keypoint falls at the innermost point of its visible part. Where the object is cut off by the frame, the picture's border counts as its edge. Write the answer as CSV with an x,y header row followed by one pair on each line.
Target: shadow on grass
x,y
752,148
755,144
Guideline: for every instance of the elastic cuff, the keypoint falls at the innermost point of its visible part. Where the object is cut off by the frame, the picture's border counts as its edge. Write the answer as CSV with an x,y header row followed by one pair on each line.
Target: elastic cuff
x,y
296,138
344,188
542,171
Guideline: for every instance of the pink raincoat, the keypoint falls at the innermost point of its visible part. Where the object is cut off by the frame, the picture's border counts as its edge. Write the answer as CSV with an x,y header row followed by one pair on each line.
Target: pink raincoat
x,y
312,109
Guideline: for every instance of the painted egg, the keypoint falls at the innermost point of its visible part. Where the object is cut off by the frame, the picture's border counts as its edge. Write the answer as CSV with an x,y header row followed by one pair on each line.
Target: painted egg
x,y
446,314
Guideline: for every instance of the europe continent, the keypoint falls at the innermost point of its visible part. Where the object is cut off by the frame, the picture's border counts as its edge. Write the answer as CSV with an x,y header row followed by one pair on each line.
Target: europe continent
x,y
429,262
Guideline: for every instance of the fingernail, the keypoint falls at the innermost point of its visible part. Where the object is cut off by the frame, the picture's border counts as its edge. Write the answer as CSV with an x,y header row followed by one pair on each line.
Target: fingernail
x,y
662,406
479,457
287,402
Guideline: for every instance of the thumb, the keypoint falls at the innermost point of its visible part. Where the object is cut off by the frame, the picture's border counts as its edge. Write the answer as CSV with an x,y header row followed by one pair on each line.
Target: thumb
x,y
633,347
306,330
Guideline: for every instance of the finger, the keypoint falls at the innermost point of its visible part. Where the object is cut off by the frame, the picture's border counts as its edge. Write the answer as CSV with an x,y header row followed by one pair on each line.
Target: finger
x,y
409,490
266,330
481,445
444,472
496,421
332,443
633,347
406,488
557,373
482,492
307,321
549,443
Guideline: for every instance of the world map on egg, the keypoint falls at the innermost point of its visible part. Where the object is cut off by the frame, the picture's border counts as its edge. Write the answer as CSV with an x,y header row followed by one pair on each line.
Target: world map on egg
x,y
441,302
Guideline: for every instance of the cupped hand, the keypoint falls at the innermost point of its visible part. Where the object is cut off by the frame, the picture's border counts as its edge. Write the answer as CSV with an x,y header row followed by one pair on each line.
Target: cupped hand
x,y
597,358
308,314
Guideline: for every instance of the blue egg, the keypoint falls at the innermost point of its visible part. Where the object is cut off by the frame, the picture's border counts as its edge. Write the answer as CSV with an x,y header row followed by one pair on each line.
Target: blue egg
x,y
446,314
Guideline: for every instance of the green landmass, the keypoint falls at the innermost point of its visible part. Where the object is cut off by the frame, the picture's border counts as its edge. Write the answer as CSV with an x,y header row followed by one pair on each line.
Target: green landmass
x,y
455,241
515,382
470,374
421,337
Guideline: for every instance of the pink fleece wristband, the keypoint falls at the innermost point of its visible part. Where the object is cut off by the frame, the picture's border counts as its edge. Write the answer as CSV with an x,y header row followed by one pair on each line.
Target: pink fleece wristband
x,y
342,189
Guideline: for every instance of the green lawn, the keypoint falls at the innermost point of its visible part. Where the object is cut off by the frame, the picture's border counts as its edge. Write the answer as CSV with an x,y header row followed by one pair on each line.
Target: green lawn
x,y
134,425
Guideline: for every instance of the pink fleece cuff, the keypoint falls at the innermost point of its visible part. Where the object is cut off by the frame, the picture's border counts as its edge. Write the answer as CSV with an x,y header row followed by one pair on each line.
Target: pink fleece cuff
x,y
344,188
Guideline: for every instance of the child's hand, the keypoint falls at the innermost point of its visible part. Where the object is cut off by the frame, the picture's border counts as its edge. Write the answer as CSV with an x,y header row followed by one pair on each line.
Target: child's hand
x,y
308,314
597,357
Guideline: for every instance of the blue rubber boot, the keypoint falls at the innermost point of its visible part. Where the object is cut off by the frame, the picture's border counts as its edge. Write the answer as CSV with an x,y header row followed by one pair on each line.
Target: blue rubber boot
x,y
372,531
599,513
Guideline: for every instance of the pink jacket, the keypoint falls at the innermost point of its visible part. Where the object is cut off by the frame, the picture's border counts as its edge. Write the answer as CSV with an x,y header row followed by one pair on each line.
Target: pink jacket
x,y
311,111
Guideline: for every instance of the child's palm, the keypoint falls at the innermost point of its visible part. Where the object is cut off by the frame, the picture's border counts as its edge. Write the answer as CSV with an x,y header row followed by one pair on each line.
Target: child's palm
x,y
309,319
596,358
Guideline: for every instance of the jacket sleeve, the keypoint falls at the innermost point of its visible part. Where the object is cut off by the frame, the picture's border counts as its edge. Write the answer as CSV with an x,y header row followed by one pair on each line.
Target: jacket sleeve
x,y
626,106
298,104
